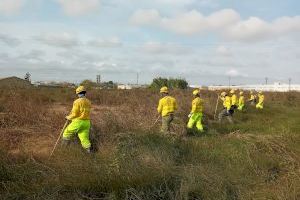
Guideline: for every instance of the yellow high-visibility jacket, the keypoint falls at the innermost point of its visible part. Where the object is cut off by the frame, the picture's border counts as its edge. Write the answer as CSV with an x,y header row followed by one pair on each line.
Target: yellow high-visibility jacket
x,y
166,105
81,109
197,105
234,100
241,101
226,102
252,97
261,98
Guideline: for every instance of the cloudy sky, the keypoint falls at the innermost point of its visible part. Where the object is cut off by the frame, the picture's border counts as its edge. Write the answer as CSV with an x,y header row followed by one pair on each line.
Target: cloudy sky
x,y
204,41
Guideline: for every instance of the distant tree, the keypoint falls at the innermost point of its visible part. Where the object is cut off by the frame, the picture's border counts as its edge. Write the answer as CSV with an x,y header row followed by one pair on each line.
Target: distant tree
x,y
88,84
27,77
171,83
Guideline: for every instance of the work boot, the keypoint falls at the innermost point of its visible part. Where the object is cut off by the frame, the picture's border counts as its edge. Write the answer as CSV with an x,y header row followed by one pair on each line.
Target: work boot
x,y
88,150
65,142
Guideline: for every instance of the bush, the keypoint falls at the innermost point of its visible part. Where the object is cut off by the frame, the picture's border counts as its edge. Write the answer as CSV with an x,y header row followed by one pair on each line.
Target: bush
x,y
157,83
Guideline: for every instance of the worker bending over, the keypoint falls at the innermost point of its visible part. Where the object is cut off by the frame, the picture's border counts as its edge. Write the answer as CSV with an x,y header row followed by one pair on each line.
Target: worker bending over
x,y
227,110
261,98
241,105
166,107
196,112
80,120
252,99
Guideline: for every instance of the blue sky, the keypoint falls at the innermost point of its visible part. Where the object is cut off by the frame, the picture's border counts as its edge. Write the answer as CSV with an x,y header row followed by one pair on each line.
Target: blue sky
x,y
204,41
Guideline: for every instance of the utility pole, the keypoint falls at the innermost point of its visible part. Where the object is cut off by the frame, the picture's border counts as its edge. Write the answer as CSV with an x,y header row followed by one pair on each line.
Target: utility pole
x,y
137,78
290,81
266,80
98,80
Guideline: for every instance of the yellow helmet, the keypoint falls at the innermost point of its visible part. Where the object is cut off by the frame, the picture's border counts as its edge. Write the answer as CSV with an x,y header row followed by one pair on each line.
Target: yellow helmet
x,y
232,91
223,94
241,92
164,90
80,89
196,92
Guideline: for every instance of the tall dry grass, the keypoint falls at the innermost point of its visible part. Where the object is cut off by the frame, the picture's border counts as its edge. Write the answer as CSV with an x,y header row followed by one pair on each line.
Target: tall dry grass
x,y
256,158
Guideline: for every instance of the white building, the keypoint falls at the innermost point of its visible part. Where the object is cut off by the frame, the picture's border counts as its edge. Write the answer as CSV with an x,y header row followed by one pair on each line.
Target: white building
x,y
276,87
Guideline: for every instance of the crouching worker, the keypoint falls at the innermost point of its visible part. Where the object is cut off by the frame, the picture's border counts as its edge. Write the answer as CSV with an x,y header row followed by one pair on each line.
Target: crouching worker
x,y
196,113
166,107
227,110
80,120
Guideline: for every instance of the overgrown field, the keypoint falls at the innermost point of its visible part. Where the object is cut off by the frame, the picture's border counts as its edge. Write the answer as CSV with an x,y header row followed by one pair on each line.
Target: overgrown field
x,y
258,157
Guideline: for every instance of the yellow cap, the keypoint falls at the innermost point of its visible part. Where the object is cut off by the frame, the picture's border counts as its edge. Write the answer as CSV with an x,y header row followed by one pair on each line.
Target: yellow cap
x,y
196,92
80,89
223,94
232,91
164,90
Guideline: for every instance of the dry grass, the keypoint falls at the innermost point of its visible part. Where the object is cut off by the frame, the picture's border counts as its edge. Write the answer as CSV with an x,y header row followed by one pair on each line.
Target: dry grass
x,y
257,158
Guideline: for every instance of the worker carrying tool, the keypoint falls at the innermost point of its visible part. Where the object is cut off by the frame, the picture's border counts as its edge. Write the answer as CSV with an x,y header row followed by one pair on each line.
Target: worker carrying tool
x,y
166,107
227,110
241,104
80,120
196,114
261,99
234,100
252,99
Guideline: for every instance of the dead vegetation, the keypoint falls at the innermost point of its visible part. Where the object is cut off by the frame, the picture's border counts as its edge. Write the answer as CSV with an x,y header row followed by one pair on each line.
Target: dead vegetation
x,y
257,158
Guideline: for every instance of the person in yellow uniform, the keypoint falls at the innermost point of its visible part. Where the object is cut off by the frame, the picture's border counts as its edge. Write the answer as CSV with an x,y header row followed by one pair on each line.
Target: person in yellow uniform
x,y
196,112
261,99
227,110
234,100
166,107
241,105
252,98
80,120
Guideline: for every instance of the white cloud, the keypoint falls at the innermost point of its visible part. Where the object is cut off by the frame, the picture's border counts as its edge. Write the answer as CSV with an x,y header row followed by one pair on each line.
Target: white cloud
x,y
9,40
65,40
164,48
233,73
108,42
79,7
10,7
223,51
145,17
179,2
226,23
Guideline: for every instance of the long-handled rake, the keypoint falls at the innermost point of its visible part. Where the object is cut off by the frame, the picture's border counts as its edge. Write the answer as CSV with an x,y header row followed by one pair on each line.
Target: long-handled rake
x,y
62,131
154,123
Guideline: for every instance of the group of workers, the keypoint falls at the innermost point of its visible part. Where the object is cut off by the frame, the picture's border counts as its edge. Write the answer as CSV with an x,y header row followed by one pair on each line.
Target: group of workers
x,y
79,117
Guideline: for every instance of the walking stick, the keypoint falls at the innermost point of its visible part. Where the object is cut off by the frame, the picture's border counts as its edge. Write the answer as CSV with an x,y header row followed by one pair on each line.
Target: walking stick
x,y
62,131
216,106
155,122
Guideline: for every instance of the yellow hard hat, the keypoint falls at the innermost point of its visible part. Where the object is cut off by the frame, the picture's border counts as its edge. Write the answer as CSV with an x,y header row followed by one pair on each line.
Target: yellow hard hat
x,y
80,89
223,94
232,91
241,92
196,92
164,90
